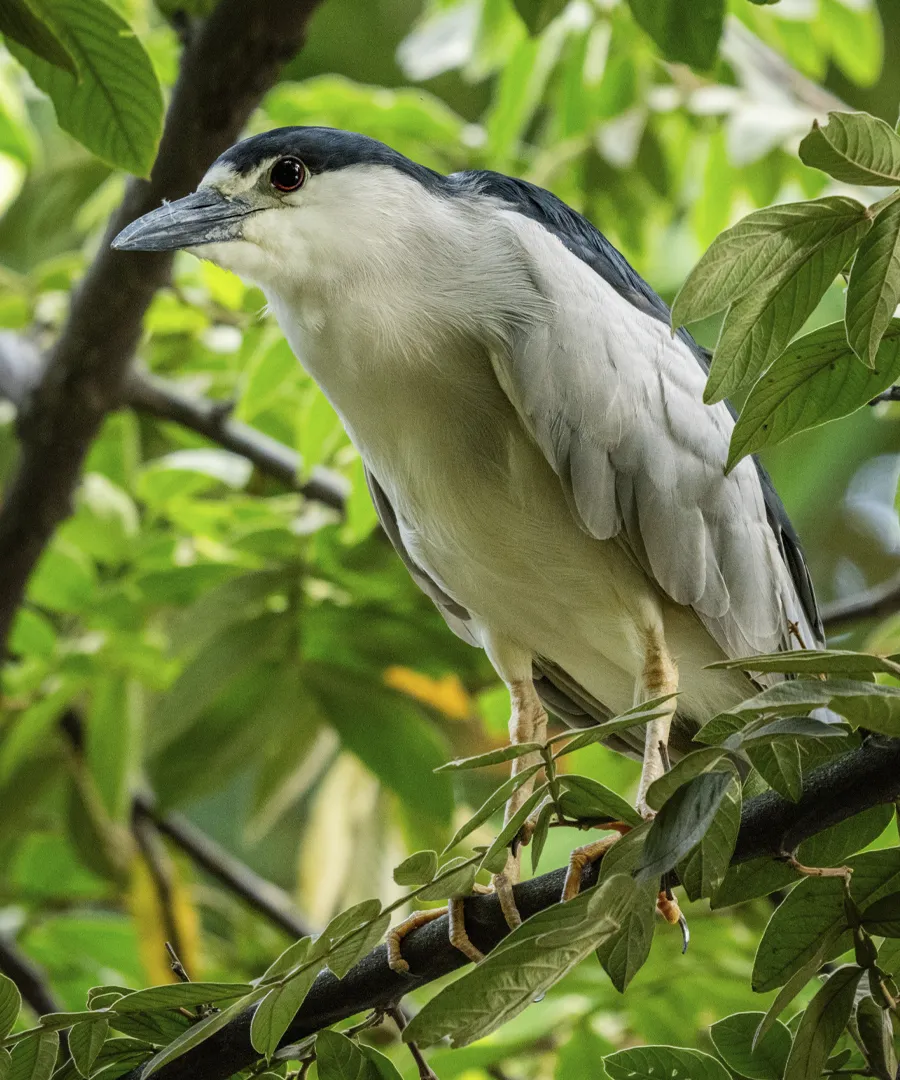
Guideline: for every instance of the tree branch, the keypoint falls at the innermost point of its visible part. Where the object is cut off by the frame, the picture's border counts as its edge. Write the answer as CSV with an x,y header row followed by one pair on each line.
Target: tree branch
x,y
28,978
157,397
233,60
769,825
262,895
875,603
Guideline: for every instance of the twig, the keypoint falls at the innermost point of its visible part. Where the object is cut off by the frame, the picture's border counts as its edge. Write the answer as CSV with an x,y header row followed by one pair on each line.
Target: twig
x,y
425,1070
22,366
177,967
262,895
160,867
875,603
891,394
770,824
156,397
233,59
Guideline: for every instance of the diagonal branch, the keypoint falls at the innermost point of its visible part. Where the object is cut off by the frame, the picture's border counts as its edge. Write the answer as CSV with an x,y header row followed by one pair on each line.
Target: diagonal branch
x,y
157,397
262,895
229,64
769,825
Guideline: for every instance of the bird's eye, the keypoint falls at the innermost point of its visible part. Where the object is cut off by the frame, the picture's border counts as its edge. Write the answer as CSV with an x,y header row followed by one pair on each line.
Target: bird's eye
x,y
289,174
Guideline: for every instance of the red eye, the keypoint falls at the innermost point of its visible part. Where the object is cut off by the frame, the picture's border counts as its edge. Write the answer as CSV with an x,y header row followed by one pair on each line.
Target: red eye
x,y
289,174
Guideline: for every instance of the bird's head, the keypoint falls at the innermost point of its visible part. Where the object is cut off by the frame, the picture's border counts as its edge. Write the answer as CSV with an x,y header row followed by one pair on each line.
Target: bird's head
x,y
291,206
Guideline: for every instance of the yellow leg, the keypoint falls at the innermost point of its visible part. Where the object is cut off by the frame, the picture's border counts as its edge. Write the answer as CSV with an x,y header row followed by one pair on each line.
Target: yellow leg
x,y
659,677
395,936
579,859
527,723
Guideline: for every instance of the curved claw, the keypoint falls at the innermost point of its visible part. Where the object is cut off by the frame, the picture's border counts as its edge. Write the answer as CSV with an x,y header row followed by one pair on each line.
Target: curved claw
x,y
685,933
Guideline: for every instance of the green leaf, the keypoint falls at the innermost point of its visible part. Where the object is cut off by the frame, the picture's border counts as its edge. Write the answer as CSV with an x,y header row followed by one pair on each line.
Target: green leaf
x,y
530,960
30,23
877,1036
538,14
10,1004
733,1038
624,953
35,1056
818,379
791,728
823,1021
115,108
883,917
392,720
814,912
337,1058
180,996
682,823
492,757
277,1009
5,1063
159,1028
874,290
384,1067
792,988
417,869
663,1063
779,765
704,869
200,1032
632,718
587,798
345,922
694,764
349,952
759,877
85,1040
812,662
760,251
854,147
455,878
490,806
508,833
693,41
540,834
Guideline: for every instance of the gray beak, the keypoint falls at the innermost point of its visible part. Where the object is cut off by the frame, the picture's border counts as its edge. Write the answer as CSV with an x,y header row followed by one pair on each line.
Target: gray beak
x,y
206,217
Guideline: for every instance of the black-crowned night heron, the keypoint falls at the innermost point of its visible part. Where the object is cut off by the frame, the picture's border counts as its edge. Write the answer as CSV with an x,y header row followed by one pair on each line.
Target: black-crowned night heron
x,y
535,438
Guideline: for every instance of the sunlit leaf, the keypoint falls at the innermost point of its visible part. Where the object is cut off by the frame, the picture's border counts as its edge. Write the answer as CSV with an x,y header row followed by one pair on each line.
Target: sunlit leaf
x,y
818,379
30,23
180,995
874,289
655,1062
417,869
115,107
691,41
854,147
338,1058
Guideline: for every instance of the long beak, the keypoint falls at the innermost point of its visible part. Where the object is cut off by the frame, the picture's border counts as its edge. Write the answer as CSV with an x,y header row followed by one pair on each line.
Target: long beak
x,y
206,217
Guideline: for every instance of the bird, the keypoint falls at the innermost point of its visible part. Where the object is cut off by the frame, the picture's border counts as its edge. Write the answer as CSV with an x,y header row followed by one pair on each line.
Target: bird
x,y
533,433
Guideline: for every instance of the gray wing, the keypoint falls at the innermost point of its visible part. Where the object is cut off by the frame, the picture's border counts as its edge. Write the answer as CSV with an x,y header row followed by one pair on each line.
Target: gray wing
x,y
616,405
585,243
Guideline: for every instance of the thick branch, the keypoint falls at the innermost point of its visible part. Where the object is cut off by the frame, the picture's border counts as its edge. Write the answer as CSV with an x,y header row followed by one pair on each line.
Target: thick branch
x,y
229,65
769,825
156,397
260,894
875,603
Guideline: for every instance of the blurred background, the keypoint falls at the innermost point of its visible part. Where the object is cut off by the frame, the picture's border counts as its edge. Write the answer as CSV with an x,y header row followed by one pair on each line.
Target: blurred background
x,y
226,697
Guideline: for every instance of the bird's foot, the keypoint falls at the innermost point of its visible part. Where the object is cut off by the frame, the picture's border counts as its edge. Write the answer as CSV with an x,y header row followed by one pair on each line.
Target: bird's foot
x,y
582,857
459,939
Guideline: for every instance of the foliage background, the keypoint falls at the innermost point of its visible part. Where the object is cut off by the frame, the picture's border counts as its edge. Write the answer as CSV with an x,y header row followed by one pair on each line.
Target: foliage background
x,y
202,633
